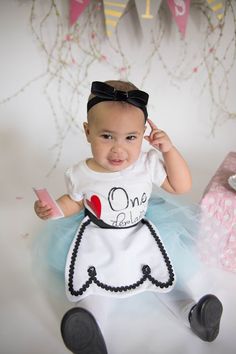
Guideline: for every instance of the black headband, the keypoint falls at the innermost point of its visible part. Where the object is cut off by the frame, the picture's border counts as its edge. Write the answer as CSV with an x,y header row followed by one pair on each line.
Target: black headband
x,y
104,92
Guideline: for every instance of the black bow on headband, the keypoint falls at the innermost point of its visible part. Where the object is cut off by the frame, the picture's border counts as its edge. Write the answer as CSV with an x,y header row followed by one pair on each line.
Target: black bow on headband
x,y
105,92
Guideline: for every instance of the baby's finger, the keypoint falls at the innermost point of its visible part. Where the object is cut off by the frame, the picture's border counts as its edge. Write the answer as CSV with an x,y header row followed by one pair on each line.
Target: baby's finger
x,y
159,134
41,204
152,125
45,214
41,208
38,205
147,137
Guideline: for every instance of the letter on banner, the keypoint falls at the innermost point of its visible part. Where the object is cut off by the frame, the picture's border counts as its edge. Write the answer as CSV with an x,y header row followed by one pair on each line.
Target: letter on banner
x,y
113,11
217,6
180,12
147,10
76,9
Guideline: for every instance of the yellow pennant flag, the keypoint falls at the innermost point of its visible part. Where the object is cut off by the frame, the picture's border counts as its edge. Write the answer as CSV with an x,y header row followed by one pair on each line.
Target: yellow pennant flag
x,y
113,10
218,7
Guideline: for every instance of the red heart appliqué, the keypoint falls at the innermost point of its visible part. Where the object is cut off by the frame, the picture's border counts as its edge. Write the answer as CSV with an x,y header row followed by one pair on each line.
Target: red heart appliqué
x,y
95,204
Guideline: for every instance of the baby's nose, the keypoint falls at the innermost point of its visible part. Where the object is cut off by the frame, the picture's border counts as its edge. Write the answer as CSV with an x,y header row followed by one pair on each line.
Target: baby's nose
x,y
116,147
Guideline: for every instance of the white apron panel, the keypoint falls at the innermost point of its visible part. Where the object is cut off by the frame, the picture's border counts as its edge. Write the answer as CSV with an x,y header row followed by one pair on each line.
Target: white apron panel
x,y
118,256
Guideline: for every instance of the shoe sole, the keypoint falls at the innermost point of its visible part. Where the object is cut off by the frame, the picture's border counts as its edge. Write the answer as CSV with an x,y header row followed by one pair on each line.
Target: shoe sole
x,y
81,333
211,312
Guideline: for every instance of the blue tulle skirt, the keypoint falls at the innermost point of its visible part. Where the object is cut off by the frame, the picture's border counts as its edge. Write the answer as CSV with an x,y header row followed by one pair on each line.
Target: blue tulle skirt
x,y
180,228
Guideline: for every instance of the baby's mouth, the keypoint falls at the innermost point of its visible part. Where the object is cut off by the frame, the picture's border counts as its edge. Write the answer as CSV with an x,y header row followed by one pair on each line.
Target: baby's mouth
x,y
116,162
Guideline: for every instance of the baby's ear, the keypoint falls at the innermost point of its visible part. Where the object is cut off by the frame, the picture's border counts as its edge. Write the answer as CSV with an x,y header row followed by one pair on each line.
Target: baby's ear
x,y
86,130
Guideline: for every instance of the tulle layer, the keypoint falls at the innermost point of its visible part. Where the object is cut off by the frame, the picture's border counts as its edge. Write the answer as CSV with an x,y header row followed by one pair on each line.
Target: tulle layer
x,y
180,226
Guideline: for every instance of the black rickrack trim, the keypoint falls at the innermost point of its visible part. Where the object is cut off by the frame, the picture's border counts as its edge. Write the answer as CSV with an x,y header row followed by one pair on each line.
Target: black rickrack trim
x,y
171,279
146,270
72,263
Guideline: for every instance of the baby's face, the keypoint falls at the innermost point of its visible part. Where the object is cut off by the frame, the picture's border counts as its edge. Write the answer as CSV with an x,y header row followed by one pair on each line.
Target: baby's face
x,y
115,131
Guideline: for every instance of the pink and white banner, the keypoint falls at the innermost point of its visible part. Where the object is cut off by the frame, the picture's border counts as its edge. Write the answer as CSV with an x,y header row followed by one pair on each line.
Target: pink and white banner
x,y
76,9
147,11
180,12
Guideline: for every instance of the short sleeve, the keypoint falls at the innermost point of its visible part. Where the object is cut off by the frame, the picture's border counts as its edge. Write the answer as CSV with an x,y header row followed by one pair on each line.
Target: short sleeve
x,y
72,185
155,168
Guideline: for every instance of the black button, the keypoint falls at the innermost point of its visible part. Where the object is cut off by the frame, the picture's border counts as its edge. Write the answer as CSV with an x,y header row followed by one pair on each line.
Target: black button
x,y
92,271
146,269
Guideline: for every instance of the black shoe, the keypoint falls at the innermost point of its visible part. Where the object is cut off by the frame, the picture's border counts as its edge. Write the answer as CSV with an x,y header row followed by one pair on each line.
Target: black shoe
x,y
205,317
81,334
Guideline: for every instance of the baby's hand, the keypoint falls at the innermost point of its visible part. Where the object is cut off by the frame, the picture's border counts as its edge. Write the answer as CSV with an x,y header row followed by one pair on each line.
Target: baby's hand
x,y
158,138
42,210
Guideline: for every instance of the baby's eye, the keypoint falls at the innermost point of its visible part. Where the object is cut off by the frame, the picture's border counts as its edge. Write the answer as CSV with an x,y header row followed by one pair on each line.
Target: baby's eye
x,y
106,136
131,137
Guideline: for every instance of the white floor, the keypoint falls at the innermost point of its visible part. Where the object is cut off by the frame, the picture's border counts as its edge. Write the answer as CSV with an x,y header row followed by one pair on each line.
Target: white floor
x,y
30,315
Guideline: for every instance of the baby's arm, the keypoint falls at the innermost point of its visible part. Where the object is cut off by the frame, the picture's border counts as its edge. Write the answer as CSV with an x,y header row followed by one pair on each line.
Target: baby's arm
x,y
178,178
67,205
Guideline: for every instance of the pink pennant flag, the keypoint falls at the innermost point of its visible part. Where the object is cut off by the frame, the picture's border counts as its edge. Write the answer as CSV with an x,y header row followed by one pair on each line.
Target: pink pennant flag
x,y
76,9
180,12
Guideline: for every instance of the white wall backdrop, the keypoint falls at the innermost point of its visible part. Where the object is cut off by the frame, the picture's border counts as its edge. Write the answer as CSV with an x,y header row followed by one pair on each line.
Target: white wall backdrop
x,y
33,136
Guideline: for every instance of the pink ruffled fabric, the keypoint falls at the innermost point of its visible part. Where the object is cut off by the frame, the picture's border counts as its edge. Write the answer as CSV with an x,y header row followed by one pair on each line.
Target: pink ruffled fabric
x,y
219,203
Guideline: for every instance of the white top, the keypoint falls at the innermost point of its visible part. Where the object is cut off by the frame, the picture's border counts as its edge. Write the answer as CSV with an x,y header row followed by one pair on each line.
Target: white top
x,y
121,260
120,199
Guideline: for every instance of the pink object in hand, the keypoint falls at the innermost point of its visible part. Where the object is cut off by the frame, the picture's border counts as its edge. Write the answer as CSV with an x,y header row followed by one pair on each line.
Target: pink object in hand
x,y
45,197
